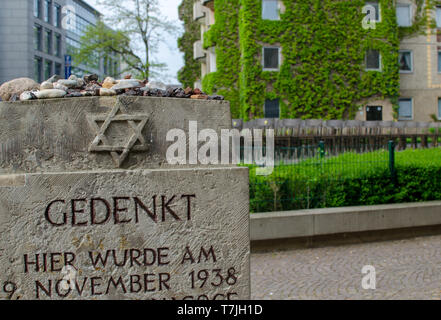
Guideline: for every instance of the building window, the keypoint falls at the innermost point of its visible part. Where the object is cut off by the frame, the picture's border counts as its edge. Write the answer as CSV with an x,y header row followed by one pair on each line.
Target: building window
x,y
47,11
47,69
270,9
38,65
271,58
405,109
438,17
439,61
37,37
58,69
404,17
373,60
439,108
48,42
213,66
405,60
57,15
272,108
37,8
374,113
58,45
376,7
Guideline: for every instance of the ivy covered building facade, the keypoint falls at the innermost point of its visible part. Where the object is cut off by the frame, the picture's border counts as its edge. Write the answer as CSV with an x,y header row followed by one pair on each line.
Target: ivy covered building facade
x,y
326,59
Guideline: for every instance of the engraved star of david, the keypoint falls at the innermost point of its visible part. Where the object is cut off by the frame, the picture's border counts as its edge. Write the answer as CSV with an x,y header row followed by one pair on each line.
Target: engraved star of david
x,y
118,152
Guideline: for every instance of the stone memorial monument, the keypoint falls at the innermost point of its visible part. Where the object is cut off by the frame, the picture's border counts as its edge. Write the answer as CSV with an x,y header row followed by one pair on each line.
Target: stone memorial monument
x,y
90,208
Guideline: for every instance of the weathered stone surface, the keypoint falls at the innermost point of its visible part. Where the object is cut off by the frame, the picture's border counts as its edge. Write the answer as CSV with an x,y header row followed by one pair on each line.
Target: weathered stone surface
x,y
63,202
200,223
17,86
56,134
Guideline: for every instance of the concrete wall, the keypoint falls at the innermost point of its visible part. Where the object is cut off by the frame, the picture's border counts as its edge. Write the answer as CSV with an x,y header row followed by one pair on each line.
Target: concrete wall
x,y
318,222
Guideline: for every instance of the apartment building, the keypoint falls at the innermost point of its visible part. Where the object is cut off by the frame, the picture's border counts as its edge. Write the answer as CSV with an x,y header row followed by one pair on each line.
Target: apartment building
x,y
418,65
420,68
203,12
37,36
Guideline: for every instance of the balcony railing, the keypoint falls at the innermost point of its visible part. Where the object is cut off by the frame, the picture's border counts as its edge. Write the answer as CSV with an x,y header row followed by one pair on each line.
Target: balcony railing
x,y
198,51
198,10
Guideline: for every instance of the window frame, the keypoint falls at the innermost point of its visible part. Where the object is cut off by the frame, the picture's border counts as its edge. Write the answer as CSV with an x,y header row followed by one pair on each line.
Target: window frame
x,y
264,108
38,38
412,109
51,66
408,5
380,61
411,61
40,71
438,54
279,57
438,7
58,45
48,42
57,64
57,15
37,9
47,11
278,10
439,113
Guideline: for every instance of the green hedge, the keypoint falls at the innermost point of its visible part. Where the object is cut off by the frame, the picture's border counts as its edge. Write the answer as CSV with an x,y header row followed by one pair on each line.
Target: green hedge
x,y
304,185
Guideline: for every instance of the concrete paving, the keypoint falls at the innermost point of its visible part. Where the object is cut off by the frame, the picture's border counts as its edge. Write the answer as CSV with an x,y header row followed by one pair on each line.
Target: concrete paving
x,y
405,269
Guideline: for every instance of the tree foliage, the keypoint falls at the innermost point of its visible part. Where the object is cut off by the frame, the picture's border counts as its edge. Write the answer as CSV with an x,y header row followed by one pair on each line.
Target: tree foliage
x,y
137,30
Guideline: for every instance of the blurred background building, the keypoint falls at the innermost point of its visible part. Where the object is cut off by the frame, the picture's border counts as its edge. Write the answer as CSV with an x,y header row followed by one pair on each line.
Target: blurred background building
x,y
38,37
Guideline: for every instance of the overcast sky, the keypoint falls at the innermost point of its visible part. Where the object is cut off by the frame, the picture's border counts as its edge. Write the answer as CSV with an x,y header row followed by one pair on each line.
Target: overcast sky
x,y
168,52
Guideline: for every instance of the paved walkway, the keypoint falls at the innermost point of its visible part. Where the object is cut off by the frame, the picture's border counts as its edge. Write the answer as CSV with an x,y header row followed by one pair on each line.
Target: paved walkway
x,y
405,269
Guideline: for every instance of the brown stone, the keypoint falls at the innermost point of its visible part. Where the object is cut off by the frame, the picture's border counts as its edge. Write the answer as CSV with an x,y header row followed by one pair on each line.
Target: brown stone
x,y
199,96
17,87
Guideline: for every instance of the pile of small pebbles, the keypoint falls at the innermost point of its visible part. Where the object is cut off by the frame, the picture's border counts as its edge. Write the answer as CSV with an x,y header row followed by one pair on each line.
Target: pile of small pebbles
x,y
89,86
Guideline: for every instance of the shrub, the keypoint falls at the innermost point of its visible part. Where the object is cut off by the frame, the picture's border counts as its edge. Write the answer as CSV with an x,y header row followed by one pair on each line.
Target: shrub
x,y
348,180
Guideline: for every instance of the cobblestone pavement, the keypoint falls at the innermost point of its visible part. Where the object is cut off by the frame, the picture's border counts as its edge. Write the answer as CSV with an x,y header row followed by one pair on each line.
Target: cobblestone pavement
x,y
405,269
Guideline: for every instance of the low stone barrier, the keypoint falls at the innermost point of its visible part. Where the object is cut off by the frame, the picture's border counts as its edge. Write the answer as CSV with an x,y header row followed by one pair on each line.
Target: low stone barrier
x,y
331,221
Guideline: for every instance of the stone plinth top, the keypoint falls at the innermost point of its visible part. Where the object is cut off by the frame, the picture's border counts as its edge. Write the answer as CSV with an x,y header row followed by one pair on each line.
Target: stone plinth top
x,y
98,132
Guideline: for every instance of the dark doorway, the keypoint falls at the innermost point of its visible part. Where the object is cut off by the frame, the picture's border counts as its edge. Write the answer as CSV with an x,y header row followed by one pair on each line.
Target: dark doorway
x,y
374,113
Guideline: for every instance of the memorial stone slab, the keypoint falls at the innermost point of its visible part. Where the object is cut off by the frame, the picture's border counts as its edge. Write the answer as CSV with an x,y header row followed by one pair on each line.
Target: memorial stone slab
x,y
89,209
